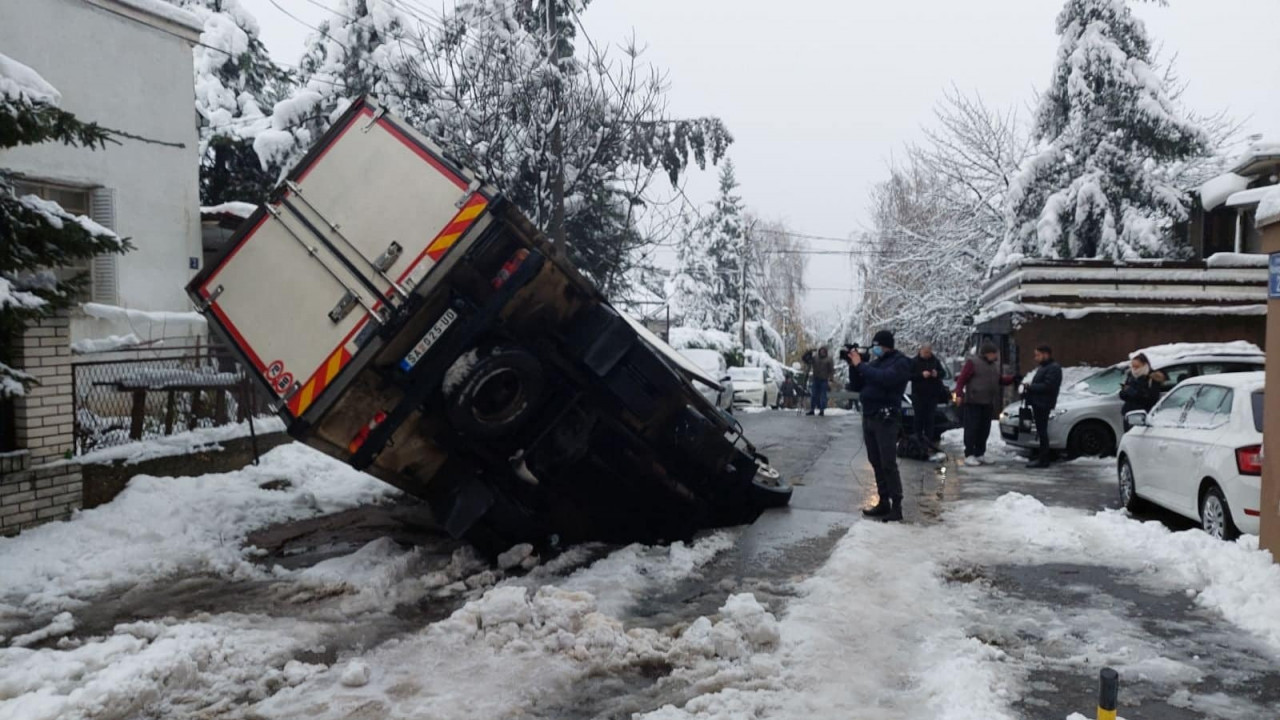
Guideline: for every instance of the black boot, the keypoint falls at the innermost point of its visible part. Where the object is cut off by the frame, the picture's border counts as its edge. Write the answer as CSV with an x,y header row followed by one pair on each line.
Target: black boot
x,y
1039,463
881,509
895,512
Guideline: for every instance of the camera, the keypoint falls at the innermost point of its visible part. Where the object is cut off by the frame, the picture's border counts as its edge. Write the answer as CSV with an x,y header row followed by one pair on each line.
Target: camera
x,y
847,351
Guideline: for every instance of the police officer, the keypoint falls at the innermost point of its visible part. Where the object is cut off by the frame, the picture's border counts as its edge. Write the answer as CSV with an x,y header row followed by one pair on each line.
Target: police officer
x,y
882,382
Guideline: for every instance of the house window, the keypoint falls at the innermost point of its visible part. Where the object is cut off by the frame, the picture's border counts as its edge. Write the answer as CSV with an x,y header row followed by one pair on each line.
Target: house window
x,y
99,205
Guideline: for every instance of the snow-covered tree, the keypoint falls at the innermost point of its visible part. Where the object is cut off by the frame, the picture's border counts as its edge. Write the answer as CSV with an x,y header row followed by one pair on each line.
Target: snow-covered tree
x,y
348,57
572,136
236,84
1107,126
778,261
37,236
937,223
714,281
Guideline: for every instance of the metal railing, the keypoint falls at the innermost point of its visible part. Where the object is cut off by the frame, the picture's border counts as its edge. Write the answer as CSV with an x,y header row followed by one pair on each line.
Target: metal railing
x,y
159,392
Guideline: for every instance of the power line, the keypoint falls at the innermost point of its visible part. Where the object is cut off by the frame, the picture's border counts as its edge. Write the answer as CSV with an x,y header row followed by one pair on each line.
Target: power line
x,y
300,21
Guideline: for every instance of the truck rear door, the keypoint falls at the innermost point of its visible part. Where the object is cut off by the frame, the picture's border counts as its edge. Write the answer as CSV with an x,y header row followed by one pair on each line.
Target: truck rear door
x,y
357,227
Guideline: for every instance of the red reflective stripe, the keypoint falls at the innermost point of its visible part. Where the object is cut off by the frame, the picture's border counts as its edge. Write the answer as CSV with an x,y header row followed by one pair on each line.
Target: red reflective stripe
x,y
1252,513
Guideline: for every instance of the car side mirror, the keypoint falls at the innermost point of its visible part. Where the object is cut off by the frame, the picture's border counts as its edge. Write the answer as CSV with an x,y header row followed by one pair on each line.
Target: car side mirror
x,y
1137,418
725,379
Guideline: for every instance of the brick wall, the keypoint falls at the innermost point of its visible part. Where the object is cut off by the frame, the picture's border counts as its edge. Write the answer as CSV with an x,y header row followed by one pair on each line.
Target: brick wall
x,y
37,484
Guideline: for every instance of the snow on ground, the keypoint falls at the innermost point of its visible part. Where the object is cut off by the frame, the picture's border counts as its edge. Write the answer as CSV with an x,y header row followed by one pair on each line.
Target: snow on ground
x,y
159,527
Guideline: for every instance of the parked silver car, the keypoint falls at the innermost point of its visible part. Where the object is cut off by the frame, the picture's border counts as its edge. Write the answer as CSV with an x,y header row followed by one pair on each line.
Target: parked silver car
x,y
1088,420
712,363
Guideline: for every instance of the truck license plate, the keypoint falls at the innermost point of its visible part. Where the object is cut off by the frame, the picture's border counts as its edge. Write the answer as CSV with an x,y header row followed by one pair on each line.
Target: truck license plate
x,y
429,339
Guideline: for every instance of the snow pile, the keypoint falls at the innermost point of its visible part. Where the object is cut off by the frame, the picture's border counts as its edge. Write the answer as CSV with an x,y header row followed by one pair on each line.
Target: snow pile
x,y
1269,208
689,337
1163,355
150,669
56,216
107,344
147,319
21,84
239,209
1216,191
183,443
161,526
167,11
1247,197
540,643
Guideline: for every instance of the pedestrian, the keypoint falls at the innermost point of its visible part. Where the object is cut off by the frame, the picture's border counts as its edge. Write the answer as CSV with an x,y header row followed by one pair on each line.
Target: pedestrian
x,y
927,374
1041,393
789,391
824,368
1142,387
978,390
882,382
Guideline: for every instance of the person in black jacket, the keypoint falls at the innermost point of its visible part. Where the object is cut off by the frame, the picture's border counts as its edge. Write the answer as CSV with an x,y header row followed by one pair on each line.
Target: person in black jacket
x,y
1040,391
1142,387
882,382
927,374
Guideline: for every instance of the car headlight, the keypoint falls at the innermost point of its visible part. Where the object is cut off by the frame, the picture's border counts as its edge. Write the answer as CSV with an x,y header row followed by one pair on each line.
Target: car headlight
x,y
1058,412
1004,416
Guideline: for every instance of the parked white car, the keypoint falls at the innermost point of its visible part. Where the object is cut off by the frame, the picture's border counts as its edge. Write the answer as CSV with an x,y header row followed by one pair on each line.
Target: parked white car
x,y
754,386
1199,453
1087,421
713,364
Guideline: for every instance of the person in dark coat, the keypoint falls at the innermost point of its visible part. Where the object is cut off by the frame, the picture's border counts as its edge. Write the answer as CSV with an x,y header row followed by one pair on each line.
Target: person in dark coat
x,y
882,381
1041,392
789,391
979,390
1142,387
927,390
824,368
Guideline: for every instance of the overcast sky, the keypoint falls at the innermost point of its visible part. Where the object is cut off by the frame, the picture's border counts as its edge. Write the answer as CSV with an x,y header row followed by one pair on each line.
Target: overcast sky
x,y
820,94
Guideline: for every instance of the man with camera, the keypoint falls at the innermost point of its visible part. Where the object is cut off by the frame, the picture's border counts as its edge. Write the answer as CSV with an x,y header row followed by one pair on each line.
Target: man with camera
x,y
882,380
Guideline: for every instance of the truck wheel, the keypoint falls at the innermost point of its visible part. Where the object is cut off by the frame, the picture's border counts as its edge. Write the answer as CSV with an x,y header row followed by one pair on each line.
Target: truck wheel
x,y
498,394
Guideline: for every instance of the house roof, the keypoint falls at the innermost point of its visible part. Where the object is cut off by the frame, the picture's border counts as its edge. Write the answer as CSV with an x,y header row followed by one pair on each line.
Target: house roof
x,y
1259,158
1248,197
157,14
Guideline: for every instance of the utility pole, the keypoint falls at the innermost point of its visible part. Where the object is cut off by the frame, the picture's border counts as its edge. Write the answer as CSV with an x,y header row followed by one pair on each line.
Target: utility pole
x,y
557,134
742,303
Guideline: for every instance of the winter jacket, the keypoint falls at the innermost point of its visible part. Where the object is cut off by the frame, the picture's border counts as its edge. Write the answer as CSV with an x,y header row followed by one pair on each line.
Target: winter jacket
x,y
923,388
881,382
824,368
979,382
1140,393
1043,391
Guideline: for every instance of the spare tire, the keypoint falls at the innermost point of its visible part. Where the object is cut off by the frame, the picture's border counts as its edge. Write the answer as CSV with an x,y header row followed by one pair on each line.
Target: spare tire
x,y
493,394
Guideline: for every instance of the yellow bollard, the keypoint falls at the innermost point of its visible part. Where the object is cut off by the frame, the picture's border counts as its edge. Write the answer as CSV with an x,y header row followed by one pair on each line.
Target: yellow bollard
x,y
1108,694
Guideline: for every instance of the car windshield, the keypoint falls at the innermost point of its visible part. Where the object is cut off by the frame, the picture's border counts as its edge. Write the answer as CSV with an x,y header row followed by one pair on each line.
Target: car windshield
x,y
746,374
1107,382
1257,410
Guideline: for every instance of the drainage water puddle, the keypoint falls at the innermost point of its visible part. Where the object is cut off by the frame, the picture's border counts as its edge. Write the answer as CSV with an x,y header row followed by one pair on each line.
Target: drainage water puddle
x,y
1064,622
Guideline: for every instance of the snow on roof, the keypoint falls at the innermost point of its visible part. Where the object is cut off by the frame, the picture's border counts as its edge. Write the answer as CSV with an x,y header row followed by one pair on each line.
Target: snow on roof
x,y
1269,207
1234,380
1162,355
1256,151
1077,313
20,83
1216,191
1236,260
165,11
239,209
1248,197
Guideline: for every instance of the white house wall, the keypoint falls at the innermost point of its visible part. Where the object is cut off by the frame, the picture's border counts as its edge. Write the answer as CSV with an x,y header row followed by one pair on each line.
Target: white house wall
x,y
128,76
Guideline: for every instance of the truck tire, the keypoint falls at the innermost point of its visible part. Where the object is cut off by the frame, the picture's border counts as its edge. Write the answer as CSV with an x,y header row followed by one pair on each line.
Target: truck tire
x,y
769,490
497,394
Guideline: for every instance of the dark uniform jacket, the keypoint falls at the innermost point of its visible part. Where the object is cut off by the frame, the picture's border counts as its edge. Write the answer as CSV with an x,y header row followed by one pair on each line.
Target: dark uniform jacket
x,y
1044,387
881,382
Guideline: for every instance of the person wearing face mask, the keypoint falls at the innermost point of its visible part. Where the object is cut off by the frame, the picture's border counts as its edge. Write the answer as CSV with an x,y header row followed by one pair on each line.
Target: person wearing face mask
x,y
1142,387
882,382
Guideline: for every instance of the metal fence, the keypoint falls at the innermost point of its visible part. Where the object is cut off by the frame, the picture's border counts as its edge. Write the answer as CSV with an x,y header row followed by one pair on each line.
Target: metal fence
x,y
159,392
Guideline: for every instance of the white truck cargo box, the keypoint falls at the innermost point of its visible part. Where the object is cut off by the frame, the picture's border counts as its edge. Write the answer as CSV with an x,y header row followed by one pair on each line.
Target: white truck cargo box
x,y
361,222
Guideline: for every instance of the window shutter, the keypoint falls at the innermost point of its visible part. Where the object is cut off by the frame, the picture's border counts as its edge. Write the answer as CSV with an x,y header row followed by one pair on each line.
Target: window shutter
x,y
105,273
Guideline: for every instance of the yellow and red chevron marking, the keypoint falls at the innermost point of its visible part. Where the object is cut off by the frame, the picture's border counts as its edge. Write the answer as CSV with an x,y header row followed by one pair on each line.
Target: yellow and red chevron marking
x,y
458,225
301,400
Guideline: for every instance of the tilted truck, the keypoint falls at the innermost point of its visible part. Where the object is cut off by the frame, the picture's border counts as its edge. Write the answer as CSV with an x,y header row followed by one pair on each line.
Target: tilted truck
x,y
414,324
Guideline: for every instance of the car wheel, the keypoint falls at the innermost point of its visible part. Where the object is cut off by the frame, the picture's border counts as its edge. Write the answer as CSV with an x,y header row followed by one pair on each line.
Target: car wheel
x,y
1091,439
498,394
1215,514
1129,499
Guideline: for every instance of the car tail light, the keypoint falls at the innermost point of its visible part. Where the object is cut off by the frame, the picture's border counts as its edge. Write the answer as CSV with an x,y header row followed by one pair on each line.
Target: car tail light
x,y
358,441
1249,460
509,268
